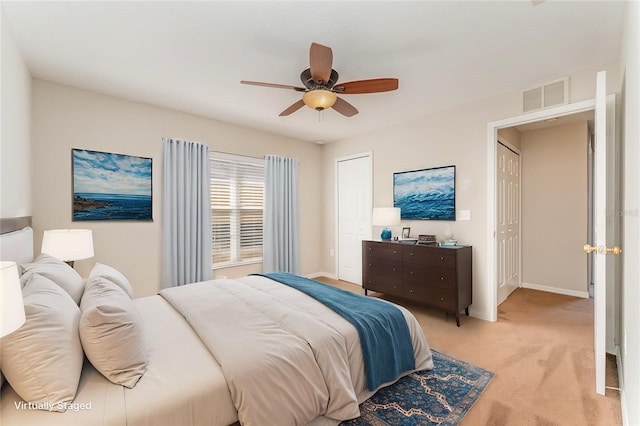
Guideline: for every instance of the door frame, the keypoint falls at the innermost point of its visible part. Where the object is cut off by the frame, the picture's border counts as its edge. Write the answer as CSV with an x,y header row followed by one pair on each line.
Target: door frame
x,y
491,294
336,250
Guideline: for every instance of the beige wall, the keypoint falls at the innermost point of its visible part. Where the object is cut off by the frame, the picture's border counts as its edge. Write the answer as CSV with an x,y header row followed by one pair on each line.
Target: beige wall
x,y
66,118
554,208
15,129
511,135
456,136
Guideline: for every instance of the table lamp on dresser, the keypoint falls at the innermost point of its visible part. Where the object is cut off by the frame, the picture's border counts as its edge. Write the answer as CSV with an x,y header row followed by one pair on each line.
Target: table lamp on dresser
x,y
386,216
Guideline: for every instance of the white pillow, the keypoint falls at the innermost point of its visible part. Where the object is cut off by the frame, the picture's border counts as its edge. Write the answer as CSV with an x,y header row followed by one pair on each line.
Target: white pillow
x,y
42,360
112,332
113,275
58,272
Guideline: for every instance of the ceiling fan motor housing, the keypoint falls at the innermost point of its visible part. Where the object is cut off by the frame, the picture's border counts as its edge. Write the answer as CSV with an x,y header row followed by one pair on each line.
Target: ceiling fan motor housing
x,y
309,83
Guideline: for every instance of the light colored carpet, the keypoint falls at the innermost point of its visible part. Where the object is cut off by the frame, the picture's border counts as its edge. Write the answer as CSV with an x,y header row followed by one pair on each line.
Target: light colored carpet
x,y
541,351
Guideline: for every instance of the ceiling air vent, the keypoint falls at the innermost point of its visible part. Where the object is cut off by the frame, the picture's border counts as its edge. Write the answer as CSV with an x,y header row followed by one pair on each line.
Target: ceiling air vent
x,y
548,95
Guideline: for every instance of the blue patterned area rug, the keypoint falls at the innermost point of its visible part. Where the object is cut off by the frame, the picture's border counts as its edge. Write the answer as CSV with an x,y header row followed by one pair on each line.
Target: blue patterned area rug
x,y
441,396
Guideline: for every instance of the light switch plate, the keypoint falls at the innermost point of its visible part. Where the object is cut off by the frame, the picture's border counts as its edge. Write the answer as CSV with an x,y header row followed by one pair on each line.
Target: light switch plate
x,y
464,214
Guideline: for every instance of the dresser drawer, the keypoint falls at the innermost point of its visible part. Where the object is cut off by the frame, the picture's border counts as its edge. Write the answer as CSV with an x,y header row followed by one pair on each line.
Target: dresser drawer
x,y
433,296
383,267
384,250
429,256
429,275
383,284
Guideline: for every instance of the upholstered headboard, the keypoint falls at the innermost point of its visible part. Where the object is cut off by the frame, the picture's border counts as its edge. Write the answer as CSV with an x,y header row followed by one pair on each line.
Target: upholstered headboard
x,y
16,239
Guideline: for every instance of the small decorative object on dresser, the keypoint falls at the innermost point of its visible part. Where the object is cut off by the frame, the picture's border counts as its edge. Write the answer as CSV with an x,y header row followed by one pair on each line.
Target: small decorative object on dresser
x,y
429,240
436,276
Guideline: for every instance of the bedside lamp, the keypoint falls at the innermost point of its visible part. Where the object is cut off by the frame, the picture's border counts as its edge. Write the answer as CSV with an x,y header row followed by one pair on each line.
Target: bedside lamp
x,y
11,305
386,216
68,244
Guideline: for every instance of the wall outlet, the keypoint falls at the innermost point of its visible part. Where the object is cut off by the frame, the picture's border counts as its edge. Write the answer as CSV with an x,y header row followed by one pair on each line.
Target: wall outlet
x,y
331,253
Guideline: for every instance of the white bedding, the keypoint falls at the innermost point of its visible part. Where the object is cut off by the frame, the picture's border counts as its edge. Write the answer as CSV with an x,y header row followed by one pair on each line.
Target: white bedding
x,y
185,385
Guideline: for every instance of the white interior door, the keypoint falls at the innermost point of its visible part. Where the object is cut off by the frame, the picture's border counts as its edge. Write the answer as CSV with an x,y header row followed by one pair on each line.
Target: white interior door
x,y
604,224
354,206
508,221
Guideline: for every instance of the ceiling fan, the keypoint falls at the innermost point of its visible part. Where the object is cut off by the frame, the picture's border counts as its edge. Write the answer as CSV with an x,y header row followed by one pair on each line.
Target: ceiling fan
x,y
320,85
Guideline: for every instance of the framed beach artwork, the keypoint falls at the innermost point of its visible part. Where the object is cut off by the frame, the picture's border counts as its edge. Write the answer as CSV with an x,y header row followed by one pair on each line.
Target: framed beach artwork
x,y
109,186
427,194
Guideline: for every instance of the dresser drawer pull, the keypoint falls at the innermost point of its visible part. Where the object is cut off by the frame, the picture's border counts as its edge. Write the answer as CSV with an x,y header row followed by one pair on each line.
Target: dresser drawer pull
x,y
411,254
441,258
442,299
441,278
394,252
411,291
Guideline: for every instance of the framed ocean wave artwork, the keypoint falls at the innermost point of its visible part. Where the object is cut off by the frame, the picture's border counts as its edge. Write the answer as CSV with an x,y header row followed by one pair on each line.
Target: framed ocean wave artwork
x,y
426,194
108,186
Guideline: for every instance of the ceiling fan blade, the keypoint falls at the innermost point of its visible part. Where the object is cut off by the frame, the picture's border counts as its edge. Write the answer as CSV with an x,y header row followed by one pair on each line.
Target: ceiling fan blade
x,y
277,86
375,85
293,108
320,62
344,108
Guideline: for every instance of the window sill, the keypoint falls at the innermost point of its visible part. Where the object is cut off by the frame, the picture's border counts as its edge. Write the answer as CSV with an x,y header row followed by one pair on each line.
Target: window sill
x,y
235,264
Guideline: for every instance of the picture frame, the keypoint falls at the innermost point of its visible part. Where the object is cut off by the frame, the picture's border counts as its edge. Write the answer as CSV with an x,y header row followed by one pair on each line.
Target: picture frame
x,y
426,194
109,186
405,232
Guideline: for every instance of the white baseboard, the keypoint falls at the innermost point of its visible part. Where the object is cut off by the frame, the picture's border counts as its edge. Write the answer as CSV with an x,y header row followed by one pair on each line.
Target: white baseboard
x,y
322,274
623,398
558,290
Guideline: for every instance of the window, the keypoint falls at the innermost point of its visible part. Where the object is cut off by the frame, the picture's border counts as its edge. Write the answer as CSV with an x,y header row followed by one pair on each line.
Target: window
x,y
237,193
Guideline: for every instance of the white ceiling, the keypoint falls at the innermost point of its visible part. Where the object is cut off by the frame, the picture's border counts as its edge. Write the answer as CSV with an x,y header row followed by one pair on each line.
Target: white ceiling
x,y
191,56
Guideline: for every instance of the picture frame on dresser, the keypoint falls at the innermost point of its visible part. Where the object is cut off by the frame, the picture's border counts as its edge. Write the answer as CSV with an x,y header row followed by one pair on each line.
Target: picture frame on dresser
x,y
406,231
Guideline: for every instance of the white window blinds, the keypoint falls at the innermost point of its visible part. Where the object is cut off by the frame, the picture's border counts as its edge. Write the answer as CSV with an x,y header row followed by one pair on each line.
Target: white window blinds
x,y
237,193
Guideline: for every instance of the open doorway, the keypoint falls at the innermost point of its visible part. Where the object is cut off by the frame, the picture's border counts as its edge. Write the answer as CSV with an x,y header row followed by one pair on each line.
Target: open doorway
x,y
544,205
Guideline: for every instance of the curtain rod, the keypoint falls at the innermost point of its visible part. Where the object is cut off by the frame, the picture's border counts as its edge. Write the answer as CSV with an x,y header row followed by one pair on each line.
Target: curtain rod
x,y
240,155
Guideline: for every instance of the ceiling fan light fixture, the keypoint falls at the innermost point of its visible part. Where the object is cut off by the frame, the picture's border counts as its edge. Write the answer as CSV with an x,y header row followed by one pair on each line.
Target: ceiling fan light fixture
x,y
319,99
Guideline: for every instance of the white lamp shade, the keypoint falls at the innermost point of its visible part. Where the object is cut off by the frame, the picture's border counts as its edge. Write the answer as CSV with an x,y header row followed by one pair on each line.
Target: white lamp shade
x,y
12,313
68,244
386,216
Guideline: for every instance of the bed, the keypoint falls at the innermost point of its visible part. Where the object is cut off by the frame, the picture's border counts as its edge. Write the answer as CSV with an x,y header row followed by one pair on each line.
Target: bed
x,y
251,350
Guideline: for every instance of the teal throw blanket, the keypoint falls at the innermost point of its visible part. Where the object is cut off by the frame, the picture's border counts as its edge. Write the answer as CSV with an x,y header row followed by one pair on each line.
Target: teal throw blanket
x,y
383,330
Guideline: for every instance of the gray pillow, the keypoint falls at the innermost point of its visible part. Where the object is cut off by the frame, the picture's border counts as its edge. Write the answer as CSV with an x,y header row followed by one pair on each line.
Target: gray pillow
x,y
42,360
112,332
58,272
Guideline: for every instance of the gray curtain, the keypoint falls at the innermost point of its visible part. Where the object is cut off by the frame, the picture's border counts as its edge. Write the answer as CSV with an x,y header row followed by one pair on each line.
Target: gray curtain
x,y
186,230
281,248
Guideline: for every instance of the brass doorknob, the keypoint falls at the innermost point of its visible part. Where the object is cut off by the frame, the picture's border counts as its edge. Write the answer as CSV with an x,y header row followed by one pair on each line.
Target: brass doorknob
x,y
615,250
589,249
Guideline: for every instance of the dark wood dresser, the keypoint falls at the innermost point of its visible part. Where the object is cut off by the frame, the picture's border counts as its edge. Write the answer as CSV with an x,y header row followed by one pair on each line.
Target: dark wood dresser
x,y
436,276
